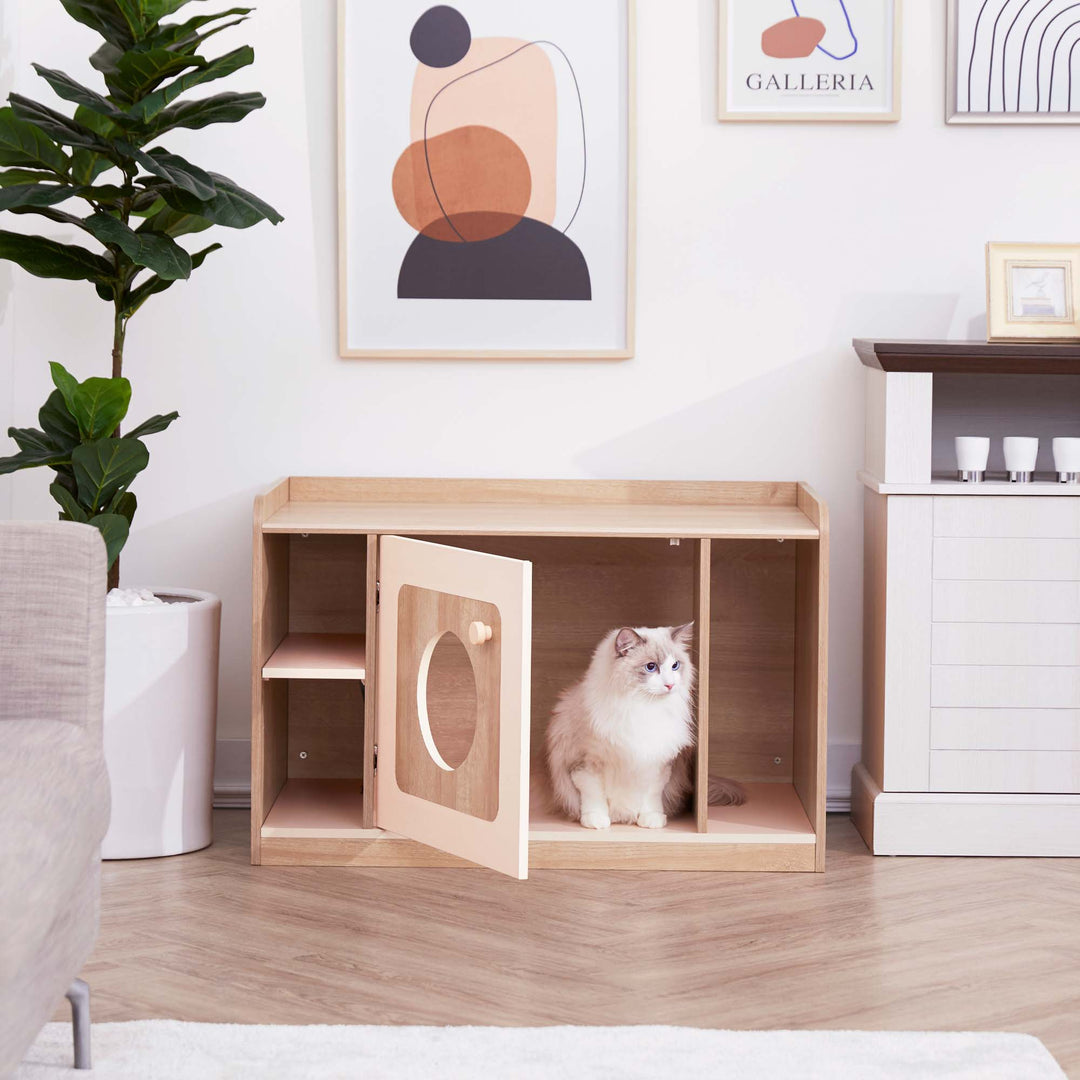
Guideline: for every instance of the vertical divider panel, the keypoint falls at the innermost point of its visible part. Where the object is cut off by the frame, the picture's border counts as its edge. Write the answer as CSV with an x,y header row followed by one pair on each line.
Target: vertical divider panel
x,y
811,668
269,625
370,684
702,626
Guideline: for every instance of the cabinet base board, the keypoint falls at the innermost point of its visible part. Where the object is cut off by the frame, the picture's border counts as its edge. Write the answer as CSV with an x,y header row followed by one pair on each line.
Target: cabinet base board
x,y
938,823
391,851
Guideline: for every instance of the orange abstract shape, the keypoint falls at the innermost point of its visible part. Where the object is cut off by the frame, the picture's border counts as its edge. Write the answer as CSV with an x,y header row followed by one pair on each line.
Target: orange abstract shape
x,y
793,38
472,184
501,83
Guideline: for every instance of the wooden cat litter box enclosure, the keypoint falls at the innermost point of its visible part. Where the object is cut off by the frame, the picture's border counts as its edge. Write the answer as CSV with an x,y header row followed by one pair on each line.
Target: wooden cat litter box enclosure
x,y
411,636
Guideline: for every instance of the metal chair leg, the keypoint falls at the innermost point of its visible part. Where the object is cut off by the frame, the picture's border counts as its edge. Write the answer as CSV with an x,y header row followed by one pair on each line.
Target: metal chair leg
x,y
79,996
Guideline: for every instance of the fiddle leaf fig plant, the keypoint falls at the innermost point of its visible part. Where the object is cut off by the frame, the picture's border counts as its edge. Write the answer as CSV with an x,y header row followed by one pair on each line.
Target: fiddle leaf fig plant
x,y
102,173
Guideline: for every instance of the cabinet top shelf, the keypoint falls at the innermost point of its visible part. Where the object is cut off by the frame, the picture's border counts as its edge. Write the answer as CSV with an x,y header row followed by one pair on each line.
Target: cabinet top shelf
x,y
970,357
679,509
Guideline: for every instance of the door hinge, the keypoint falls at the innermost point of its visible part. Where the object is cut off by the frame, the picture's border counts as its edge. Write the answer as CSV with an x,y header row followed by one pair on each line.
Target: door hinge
x,y
375,760
378,590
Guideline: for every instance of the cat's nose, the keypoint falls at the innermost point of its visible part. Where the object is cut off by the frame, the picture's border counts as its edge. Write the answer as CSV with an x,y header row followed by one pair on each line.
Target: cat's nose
x,y
669,686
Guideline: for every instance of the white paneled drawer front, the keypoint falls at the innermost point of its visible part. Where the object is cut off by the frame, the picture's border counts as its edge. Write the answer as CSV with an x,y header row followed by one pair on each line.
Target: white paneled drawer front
x,y
1034,772
1006,643
971,686
1007,601
1007,517
1006,559
1005,729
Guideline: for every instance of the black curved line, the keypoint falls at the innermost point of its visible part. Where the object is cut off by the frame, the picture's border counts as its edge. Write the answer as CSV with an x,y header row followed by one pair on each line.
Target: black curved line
x,y
581,110
1038,55
1023,50
974,43
993,50
1053,68
1004,58
1071,51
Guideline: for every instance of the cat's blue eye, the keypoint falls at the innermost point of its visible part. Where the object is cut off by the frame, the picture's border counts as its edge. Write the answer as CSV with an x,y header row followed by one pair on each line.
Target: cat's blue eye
x,y
675,666
650,666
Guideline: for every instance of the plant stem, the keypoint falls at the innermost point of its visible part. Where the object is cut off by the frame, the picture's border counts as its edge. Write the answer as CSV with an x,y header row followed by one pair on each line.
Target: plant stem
x,y
119,331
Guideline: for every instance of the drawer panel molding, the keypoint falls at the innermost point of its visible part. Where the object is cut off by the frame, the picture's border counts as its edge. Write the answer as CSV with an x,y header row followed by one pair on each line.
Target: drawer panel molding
x,y
1034,772
1007,601
1005,729
1007,517
1019,644
1006,560
1004,687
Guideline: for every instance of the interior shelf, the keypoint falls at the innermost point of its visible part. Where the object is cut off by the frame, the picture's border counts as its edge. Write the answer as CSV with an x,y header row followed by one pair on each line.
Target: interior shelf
x,y
745,522
318,656
331,809
941,484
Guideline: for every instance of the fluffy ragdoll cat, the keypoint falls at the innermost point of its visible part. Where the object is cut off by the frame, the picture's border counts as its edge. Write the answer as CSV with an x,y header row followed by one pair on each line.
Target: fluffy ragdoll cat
x,y
620,742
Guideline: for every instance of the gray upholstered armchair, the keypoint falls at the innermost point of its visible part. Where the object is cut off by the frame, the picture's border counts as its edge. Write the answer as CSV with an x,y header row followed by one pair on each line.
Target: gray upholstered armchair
x,y
54,791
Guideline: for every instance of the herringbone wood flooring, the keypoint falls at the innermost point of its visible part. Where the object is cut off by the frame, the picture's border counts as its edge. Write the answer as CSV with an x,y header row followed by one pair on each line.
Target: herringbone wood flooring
x,y
874,943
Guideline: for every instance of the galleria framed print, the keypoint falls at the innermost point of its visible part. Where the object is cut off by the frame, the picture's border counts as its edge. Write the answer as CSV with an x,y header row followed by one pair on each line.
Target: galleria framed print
x,y
817,60
486,179
1011,63
1033,292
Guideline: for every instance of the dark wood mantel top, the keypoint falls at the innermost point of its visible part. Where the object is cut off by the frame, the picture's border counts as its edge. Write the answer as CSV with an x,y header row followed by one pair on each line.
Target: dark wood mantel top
x,y
997,358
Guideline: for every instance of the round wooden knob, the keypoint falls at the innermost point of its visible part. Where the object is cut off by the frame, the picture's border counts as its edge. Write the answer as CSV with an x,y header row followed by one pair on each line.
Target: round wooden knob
x,y
479,633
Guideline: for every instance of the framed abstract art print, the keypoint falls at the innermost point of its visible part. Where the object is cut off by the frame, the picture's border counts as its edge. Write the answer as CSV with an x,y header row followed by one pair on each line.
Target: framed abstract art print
x,y
1012,62
486,179
816,60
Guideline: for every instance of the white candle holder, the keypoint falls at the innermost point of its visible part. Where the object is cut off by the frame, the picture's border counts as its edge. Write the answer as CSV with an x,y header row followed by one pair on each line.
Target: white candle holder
x,y
1067,460
972,454
1021,453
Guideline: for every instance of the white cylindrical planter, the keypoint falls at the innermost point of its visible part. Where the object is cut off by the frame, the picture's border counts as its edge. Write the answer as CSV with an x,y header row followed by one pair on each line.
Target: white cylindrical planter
x,y
161,680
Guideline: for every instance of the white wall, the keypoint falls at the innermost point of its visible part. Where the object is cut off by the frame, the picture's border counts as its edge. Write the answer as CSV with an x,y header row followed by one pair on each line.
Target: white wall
x,y
762,250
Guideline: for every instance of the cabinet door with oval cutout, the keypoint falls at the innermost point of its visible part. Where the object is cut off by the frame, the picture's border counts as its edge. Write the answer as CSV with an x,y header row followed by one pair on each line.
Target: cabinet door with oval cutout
x,y
455,630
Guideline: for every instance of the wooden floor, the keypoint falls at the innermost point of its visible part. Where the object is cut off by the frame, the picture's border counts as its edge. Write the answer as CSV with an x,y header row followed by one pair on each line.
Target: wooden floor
x,y
962,944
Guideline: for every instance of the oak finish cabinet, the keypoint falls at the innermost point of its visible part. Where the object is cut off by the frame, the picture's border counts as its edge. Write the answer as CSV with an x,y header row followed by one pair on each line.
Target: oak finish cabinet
x,y
971,718
410,638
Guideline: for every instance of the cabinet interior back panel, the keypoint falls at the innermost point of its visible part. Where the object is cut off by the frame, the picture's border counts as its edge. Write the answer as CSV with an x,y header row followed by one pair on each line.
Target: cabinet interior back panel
x,y
326,725
327,584
1000,405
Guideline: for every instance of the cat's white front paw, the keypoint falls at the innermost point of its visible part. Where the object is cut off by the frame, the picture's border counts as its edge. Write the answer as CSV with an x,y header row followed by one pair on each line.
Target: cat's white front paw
x,y
651,819
595,819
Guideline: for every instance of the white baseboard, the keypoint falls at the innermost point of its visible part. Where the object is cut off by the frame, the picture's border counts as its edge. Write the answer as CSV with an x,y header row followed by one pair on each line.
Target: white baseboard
x,y
232,774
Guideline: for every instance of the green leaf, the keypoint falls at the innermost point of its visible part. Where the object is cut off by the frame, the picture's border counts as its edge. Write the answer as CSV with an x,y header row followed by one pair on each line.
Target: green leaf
x,y
50,259
70,90
152,426
99,405
177,171
125,504
160,253
139,71
175,222
11,177
137,297
87,165
72,511
23,143
226,108
185,37
62,129
34,195
232,206
105,466
58,423
67,384
149,107
142,16
32,459
31,439
104,17
106,58
114,529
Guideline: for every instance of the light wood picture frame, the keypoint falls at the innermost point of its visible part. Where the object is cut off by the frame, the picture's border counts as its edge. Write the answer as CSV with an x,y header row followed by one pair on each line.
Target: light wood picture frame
x,y
1033,292
986,79
529,253
808,61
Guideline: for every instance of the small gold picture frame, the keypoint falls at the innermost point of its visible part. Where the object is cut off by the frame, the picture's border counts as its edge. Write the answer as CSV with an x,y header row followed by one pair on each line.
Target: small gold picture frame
x,y
1033,292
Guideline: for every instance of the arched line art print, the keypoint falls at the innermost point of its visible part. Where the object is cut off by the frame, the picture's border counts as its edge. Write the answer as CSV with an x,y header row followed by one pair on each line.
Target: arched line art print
x,y
1019,67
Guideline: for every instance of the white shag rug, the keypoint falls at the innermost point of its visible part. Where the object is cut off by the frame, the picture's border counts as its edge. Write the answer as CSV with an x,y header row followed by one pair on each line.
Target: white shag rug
x,y
172,1050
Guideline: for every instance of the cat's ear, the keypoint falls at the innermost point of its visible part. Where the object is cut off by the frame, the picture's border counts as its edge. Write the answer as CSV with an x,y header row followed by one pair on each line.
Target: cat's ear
x,y
626,639
683,635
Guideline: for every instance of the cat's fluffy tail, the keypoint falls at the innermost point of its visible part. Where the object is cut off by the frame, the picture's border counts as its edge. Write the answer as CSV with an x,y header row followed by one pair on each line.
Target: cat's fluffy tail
x,y
725,792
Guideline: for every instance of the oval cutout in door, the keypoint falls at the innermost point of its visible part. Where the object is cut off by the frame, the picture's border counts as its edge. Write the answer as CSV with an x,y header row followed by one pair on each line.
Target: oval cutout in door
x,y
447,701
